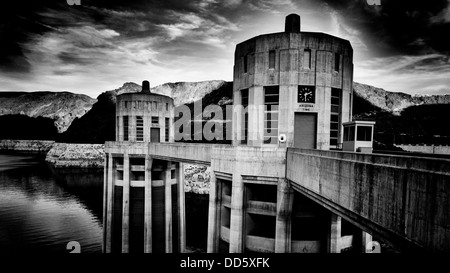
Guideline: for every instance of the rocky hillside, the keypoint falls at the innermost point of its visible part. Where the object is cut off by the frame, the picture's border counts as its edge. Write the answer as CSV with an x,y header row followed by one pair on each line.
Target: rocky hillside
x,y
395,102
97,125
401,118
181,92
62,107
187,92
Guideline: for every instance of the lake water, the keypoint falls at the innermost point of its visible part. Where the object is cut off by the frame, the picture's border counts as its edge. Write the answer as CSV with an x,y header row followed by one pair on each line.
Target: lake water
x,y
42,209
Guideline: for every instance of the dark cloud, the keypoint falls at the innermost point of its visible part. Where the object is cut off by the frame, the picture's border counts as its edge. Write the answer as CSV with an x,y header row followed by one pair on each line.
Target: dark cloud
x,y
105,37
397,26
74,58
16,22
433,63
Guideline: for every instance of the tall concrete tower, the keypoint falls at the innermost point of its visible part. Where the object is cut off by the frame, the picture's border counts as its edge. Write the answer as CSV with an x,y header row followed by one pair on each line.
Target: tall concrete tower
x,y
300,87
293,89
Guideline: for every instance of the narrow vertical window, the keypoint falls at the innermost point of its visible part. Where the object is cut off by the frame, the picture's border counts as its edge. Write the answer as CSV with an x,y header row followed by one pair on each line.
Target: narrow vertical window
x,y
117,128
307,58
337,59
139,129
167,129
125,128
335,117
271,102
244,125
272,59
245,63
167,107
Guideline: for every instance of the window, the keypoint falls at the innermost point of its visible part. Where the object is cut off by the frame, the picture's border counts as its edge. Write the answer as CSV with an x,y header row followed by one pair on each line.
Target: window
x,y
155,106
307,58
349,133
271,101
364,133
167,129
272,59
244,127
125,128
167,107
126,104
139,129
335,117
245,63
337,59
155,120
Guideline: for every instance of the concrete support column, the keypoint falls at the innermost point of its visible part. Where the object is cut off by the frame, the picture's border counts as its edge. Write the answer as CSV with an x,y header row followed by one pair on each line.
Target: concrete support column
x,y
179,175
148,205
283,219
334,234
366,239
105,202
126,204
168,207
237,214
109,192
215,196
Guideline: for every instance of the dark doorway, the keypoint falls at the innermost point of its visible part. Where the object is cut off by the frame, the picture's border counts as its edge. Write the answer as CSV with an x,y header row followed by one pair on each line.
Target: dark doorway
x,y
305,130
154,135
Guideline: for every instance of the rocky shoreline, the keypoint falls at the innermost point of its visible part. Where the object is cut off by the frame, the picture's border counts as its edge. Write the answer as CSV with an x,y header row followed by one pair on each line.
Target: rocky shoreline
x,y
67,155
40,147
63,155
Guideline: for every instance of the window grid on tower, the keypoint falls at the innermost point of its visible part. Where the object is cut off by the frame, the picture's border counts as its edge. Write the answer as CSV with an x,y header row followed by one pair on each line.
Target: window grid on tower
x,y
125,128
335,117
244,128
139,128
167,127
271,102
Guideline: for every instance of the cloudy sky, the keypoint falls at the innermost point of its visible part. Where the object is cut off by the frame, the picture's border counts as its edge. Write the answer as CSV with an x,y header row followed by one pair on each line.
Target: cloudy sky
x,y
402,45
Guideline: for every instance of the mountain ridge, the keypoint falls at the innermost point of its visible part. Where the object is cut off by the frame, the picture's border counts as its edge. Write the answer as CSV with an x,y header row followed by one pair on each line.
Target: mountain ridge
x,y
396,102
62,107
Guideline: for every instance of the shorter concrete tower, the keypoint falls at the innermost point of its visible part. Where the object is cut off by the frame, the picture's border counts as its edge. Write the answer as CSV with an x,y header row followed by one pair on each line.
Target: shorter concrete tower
x,y
143,196
144,116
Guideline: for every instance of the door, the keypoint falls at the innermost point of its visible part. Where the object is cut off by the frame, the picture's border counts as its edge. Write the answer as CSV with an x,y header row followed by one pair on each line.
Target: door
x,y
154,134
305,130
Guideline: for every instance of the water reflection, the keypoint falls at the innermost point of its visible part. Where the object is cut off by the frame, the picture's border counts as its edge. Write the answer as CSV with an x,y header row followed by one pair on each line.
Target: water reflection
x,y
43,209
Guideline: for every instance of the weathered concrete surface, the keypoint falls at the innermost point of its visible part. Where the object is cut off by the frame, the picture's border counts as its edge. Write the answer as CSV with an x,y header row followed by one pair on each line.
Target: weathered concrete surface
x,y
404,199
182,152
26,146
178,152
63,155
429,149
